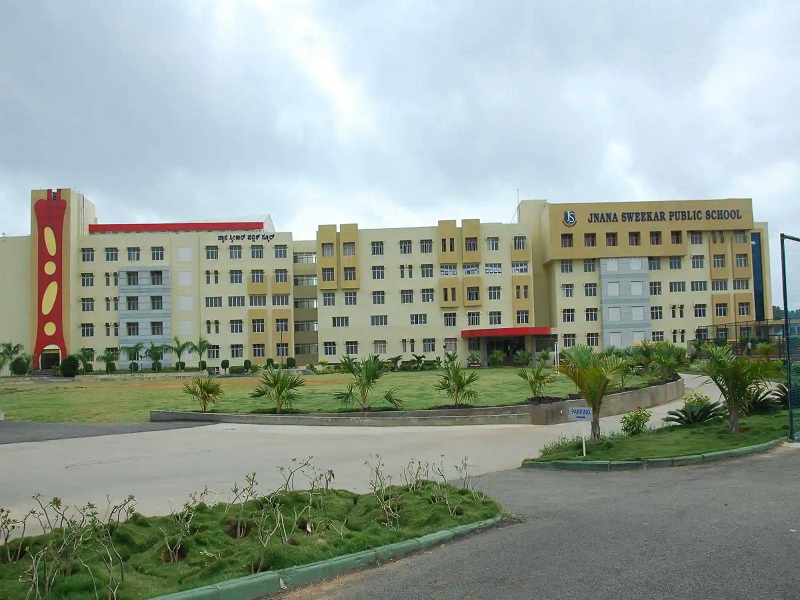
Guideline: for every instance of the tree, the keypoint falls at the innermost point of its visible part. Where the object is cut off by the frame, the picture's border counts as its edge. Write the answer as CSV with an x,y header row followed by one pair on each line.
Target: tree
x,y
70,365
419,361
395,361
496,358
544,355
133,351
667,359
737,377
593,375
523,358
9,351
765,350
366,373
204,391
107,358
155,352
538,378
179,348
458,383
279,387
200,347
85,356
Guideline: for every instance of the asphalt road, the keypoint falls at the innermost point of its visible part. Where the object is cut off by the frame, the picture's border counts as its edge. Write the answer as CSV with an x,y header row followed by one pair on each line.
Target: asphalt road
x,y
14,432
726,531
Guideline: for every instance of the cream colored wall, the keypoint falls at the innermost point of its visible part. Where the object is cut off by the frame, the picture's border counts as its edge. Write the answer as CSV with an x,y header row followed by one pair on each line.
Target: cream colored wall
x,y
15,272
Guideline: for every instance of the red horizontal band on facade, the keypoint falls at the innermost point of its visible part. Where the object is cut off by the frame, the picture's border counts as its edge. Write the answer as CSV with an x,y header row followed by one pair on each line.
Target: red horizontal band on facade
x,y
162,227
505,332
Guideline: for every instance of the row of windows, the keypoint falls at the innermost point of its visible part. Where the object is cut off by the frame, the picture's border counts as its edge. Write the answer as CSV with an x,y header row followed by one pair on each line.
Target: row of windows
x,y
656,312
425,246
449,319
635,238
254,300
717,285
131,329
494,292
698,261
134,254
131,278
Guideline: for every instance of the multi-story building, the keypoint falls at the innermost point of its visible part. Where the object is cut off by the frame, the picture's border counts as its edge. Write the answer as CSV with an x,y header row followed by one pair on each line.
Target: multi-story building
x,y
602,274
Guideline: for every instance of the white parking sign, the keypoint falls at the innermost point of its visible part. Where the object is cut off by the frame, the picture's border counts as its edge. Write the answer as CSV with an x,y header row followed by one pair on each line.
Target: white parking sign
x,y
579,414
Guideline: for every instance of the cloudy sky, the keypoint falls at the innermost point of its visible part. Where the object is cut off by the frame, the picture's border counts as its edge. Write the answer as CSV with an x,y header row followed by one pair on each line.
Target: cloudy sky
x,y
396,113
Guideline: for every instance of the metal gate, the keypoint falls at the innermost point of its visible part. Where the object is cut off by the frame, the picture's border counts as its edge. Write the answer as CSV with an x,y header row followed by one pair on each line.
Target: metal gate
x,y
790,267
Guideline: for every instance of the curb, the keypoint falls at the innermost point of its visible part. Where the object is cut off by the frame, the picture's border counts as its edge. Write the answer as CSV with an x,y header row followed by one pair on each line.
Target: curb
x,y
650,463
253,586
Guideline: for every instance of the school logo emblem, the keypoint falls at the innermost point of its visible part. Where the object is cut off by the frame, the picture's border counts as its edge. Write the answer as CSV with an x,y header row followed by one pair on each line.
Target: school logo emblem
x,y
569,218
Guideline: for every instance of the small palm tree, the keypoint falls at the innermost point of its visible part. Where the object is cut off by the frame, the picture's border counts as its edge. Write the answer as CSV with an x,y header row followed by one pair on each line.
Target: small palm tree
x,y
133,351
395,361
8,352
85,356
523,358
204,391
458,383
667,359
179,348
544,355
366,373
765,350
419,361
279,387
155,352
107,358
737,377
496,358
450,357
537,378
200,347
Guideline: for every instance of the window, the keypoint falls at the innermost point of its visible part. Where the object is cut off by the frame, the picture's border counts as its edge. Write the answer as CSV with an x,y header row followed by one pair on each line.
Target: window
x,y
654,263
236,276
212,252
328,298
132,277
237,350
306,326
377,272
87,330
157,253
427,294
568,315
568,290
744,309
350,298
87,280
87,304
611,239
351,347
449,319
132,303
494,292
259,350
677,286
156,303
522,291
329,348
257,325
593,339
591,314
280,300
213,301
235,252
257,251
495,317
327,274
523,317
656,313
700,311
426,246
213,351
566,266
281,325
634,238
674,262
590,290
676,237
520,242
719,261
493,268
739,237
305,280
698,261
590,240
327,249
741,260
699,286
471,244
655,288
741,284
341,321
473,318
655,238
722,333
405,246
637,313
657,336
695,237
281,276
721,309
589,265
305,349
132,329
450,344
237,326
379,320
379,297
613,288
719,285
566,240
471,269
349,249
305,303
304,258
427,270
473,294
87,254
569,340
419,319
281,251
377,248
518,268
134,254
448,269
259,300
428,344
112,255
493,244
257,276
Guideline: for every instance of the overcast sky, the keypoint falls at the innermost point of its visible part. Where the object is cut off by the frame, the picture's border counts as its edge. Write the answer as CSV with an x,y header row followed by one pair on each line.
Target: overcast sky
x,y
397,113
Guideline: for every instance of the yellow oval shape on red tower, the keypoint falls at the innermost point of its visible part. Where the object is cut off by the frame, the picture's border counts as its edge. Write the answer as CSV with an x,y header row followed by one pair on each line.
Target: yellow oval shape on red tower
x,y
49,297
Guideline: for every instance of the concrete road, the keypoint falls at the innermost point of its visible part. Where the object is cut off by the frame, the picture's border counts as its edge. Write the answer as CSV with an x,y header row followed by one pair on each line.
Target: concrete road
x,y
728,530
161,468
13,432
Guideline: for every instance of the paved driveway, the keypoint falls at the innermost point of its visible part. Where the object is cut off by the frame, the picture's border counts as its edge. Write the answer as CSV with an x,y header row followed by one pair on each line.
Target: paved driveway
x,y
14,432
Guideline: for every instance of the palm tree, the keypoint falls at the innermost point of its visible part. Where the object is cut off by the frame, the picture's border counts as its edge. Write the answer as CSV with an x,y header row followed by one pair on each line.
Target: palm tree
x,y
204,390
538,378
738,378
496,358
133,351
199,347
593,375
107,358
457,382
765,349
279,387
179,348
155,352
544,355
523,358
85,356
667,359
366,374
8,351
419,361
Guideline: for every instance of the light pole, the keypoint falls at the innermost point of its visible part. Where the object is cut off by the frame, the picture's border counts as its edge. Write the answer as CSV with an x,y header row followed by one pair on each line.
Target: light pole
x,y
283,358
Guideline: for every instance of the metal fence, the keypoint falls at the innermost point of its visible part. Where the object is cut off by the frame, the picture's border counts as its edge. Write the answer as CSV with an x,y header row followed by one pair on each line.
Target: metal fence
x,y
790,267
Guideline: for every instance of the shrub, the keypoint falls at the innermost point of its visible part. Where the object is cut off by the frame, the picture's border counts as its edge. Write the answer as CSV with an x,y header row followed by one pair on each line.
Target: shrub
x,y
88,368
523,358
763,401
111,367
236,370
204,391
134,367
635,422
695,399
69,366
202,365
696,413
291,362
247,365
271,363
279,387
544,355
156,366
180,366
537,378
496,358
781,395
225,364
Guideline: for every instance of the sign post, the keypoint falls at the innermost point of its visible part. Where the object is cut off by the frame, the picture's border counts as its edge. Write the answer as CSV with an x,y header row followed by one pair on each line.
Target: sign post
x,y
579,413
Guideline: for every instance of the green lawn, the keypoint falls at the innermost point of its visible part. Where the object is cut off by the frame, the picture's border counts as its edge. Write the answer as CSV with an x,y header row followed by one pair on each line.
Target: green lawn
x,y
229,542
678,440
